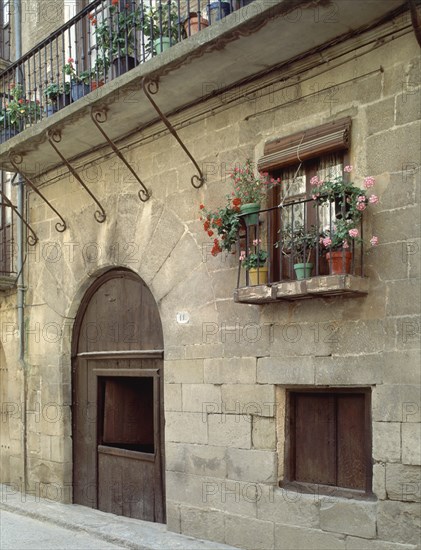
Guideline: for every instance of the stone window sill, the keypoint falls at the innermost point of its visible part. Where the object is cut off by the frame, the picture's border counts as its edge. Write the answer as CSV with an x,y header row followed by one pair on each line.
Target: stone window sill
x,y
7,282
316,287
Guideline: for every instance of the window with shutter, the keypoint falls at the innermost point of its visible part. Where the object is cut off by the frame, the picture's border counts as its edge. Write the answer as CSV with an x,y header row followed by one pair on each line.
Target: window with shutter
x,y
329,439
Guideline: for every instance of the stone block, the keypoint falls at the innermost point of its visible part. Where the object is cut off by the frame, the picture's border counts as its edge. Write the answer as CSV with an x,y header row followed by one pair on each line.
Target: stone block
x,y
401,367
175,457
192,490
186,427
251,465
233,370
172,397
196,397
203,351
173,517
263,433
411,444
292,507
285,370
350,517
403,482
204,524
404,297
380,115
399,522
229,430
348,370
396,403
408,333
355,543
387,441
205,460
254,399
391,226
185,371
248,533
408,106
390,150
298,538
379,481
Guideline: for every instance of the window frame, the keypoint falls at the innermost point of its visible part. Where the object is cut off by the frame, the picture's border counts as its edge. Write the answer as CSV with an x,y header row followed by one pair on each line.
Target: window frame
x,y
288,481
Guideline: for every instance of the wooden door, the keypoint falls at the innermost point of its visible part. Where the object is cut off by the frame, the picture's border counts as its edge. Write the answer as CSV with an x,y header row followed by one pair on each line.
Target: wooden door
x,y
118,440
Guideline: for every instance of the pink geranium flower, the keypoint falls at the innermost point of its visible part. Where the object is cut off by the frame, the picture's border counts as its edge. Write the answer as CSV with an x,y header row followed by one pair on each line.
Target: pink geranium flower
x,y
374,240
327,241
374,199
369,182
361,206
353,233
348,168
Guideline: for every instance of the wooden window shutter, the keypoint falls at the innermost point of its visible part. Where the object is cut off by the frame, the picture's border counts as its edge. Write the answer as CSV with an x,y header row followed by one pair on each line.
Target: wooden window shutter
x,y
333,136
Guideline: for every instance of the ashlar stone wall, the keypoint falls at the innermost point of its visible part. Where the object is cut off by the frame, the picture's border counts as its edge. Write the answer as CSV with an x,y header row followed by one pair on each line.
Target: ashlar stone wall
x,y
227,369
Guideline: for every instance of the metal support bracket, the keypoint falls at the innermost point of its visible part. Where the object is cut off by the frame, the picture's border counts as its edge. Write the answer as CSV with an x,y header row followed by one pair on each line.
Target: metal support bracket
x,y
54,136
16,160
30,239
99,116
151,87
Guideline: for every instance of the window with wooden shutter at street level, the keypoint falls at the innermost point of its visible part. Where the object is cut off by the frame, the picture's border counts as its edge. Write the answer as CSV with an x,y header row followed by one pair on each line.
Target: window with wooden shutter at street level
x,y
329,439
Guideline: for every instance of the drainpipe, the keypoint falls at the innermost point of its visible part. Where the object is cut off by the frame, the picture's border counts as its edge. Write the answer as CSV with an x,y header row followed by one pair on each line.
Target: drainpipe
x,y
17,12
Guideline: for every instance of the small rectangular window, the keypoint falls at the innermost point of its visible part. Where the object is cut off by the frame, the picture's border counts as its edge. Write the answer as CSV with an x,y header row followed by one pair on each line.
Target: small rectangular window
x,y
329,439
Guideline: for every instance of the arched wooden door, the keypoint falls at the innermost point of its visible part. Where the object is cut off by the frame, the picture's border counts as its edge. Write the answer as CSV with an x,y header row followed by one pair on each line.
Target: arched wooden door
x,y
118,421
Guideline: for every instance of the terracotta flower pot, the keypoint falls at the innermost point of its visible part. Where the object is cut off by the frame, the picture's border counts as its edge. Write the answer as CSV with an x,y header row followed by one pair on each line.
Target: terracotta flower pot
x,y
339,261
191,25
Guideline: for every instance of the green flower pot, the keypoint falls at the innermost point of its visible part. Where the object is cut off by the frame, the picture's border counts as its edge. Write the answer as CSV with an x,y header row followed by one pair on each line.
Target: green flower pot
x,y
162,44
303,271
252,211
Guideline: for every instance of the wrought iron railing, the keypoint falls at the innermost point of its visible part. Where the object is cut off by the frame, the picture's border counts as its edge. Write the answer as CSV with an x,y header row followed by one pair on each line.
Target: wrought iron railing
x,y
301,240
104,40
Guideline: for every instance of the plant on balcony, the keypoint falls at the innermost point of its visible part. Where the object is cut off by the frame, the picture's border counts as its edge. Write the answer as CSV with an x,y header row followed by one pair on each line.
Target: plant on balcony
x,y
162,25
222,225
298,244
115,37
18,111
254,262
251,190
339,239
79,82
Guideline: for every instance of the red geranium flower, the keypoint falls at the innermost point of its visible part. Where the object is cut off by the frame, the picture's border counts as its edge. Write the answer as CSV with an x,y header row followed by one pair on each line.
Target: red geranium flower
x,y
210,232
236,201
202,206
206,225
70,60
115,2
218,222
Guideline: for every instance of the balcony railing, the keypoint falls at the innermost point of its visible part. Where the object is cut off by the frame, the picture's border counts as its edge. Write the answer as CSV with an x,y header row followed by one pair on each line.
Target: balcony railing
x,y
103,41
302,240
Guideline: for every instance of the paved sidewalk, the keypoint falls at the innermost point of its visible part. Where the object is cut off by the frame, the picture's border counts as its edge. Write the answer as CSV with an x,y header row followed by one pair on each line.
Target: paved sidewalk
x,y
120,531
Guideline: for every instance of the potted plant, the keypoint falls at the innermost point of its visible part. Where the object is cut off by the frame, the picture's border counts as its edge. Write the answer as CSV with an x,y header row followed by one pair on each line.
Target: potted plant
x,y
339,240
251,190
51,93
63,97
194,23
217,10
254,262
222,225
115,38
162,26
17,112
298,244
79,82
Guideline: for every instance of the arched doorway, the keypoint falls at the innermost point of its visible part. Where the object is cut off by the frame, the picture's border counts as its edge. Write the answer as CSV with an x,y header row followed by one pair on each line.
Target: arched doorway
x,y
117,409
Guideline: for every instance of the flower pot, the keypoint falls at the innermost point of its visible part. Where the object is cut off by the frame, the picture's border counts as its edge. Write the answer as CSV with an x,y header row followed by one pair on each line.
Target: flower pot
x,y
303,271
63,100
78,90
218,10
8,133
122,64
252,211
191,25
161,44
95,84
50,110
258,276
339,261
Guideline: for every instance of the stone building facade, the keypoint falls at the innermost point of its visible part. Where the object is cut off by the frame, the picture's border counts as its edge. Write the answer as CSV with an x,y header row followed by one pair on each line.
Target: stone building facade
x,y
230,368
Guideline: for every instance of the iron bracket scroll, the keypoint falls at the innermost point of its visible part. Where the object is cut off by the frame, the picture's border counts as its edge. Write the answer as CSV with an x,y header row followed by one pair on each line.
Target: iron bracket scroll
x,y
99,116
54,137
150,88
30,239
16,160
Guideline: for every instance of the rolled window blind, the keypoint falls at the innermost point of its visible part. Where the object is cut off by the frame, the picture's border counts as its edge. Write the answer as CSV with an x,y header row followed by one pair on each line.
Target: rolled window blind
x,y
333,136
